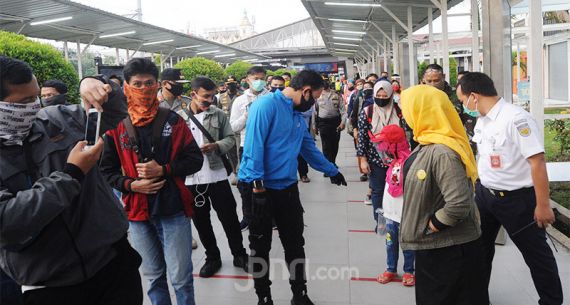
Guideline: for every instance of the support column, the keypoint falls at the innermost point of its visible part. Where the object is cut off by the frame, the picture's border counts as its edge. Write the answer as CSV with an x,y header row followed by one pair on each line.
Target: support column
x,y
79,65
386,56
445,39
395,51
171,65
118,60
412,60
66,51
536,69
475,34
128,55
518,62
430,37
466,63
161,62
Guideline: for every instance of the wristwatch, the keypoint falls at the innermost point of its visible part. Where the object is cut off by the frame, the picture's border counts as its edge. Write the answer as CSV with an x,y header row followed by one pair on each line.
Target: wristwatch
x,y
258,184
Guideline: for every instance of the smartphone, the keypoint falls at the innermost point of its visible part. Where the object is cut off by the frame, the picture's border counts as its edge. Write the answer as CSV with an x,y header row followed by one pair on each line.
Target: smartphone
x,y
92,127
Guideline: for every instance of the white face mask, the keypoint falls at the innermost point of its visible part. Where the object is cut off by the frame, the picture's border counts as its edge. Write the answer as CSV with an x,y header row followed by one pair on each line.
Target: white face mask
x,y
16,121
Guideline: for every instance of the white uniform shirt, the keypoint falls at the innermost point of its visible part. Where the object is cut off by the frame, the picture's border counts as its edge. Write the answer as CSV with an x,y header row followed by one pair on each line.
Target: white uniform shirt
x,y
206,175
506,137
240,107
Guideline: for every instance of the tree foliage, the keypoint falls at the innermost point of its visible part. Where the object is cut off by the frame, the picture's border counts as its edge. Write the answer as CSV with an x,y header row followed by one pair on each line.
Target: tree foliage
x,y
200,66
238,69
46,61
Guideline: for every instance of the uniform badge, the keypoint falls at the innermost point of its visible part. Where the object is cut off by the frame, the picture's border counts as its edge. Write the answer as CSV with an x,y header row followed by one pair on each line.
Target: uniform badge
x,y
524,129
421,174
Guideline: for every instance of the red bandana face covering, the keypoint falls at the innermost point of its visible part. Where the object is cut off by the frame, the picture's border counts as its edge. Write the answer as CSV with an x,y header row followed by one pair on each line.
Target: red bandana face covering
x,y
142,104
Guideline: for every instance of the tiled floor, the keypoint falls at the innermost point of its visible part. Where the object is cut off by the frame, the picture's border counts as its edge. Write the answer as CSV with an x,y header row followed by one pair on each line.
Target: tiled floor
x,y
343,256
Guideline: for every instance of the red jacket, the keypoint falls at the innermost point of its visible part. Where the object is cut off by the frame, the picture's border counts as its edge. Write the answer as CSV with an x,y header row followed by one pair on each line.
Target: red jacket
x,y
177,151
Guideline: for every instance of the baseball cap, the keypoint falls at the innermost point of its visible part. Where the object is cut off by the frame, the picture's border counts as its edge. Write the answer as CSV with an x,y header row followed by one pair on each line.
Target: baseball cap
x,y
174,75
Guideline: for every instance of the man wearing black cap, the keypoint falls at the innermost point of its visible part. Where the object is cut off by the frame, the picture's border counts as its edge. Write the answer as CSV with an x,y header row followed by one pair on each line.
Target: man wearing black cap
x,y
170,95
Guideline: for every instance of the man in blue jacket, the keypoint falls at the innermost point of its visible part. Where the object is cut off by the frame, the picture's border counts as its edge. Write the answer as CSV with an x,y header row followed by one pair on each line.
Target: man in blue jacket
x,y
276,134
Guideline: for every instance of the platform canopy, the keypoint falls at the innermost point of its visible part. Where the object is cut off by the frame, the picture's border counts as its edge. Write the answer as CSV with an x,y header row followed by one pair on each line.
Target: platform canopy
x,y
63,20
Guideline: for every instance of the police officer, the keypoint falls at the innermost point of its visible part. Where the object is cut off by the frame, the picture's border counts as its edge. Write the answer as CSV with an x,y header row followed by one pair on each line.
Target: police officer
x,y
227,98
170,95
513,188
329,117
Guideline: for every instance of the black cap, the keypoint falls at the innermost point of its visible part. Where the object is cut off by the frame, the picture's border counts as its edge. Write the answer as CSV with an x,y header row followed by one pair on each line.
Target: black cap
x,y
174,75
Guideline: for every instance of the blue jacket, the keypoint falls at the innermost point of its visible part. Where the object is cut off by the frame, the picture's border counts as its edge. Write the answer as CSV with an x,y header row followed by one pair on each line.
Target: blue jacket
x,y
275,135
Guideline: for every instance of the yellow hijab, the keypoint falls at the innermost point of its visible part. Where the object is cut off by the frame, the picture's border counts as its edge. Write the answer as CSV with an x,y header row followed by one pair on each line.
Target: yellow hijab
x,y
429,112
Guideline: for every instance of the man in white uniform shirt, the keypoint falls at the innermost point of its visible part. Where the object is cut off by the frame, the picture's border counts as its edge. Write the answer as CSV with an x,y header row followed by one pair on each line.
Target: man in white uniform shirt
x,y
513,190
238,118
210,185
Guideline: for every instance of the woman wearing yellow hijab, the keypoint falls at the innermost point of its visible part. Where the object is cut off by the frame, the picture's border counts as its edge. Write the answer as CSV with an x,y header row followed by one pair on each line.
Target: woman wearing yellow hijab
x,y
440,220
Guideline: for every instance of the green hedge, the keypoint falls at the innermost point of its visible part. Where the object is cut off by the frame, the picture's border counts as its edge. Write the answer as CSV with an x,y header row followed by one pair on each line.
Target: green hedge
x,y
200,66
238,69
46,61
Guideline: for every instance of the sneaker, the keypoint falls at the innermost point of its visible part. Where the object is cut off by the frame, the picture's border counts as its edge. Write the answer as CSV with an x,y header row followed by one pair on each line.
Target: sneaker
x,y
364,177
242,262
305,179
265,301
210,268
243,225
194,244
368,200
301,299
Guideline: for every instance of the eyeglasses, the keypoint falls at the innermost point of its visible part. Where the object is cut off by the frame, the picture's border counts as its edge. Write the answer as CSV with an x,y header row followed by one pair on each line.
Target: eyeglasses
x,y
139,84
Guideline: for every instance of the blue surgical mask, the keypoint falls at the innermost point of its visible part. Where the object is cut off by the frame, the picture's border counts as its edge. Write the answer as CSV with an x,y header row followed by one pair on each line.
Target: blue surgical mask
x,y
258,85
473,113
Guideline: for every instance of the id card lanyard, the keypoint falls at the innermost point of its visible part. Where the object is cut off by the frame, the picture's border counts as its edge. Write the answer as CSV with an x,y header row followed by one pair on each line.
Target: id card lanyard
x,y
495,156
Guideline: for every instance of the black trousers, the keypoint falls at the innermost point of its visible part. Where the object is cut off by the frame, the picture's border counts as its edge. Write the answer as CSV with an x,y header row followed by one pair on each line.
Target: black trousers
x,y
10,291
285,207
246,193
450,275
514,211
118,283
219,196
302,166
330,137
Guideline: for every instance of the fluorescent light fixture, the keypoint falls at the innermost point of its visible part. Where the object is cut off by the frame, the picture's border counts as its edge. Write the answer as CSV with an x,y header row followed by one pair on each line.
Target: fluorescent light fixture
x,y
346,50
349,32
345,44
117,34
225,55
347,38
189,47
51,20
157,42
250,60
208,52
348,20
354,4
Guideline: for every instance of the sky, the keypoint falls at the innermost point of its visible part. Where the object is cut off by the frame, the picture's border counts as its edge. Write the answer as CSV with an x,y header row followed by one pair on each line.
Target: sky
x,y
197,15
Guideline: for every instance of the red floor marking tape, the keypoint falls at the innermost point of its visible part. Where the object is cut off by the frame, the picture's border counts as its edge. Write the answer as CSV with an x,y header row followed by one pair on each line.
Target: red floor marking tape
x,y
367,279
361,231
236,277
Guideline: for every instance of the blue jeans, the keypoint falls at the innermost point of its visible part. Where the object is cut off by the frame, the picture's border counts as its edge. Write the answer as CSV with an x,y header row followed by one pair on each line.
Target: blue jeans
x,y
165,244
393,249
377,182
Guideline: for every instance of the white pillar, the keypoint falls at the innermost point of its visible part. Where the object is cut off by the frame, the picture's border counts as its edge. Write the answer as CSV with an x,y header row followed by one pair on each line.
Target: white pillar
x,y
79,65
395,51
128,54
466,63
171,65
161,62
412,60
475,34
535,63
66,51
118,60
518,62
386,56
430,37
445,39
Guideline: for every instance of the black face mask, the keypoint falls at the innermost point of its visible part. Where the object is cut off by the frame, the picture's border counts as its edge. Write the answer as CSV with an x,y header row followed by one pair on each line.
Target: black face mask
x,y
367,93
176,89
205,104
55,100
273,89
305,104
382,102
232,88
223,91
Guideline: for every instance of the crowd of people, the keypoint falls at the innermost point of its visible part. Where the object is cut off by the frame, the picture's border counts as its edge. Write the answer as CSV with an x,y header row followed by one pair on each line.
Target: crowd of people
x,y
445,168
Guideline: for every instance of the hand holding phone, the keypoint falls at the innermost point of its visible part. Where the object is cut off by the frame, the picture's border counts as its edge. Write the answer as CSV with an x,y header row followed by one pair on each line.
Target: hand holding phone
x,y
92,127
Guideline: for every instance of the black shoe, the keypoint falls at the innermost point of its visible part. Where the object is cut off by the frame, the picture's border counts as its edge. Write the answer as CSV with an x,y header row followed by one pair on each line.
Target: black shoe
x,y
210,268
326,176
301,299
242,262
243,225
265,301
364,178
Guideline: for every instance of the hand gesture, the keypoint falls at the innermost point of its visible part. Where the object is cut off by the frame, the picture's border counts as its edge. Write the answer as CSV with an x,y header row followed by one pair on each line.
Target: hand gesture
x,y
147,186
83,158
150,170
94,93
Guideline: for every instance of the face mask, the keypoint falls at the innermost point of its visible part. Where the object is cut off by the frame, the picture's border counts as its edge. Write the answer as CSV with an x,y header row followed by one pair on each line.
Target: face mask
x,y
258,85
142,103
232,87
223,91
350,88
395,87
473,113
16,121
367,93
245,85
54,100
176,89
382,102
205,104
305,104
359,87
274,89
